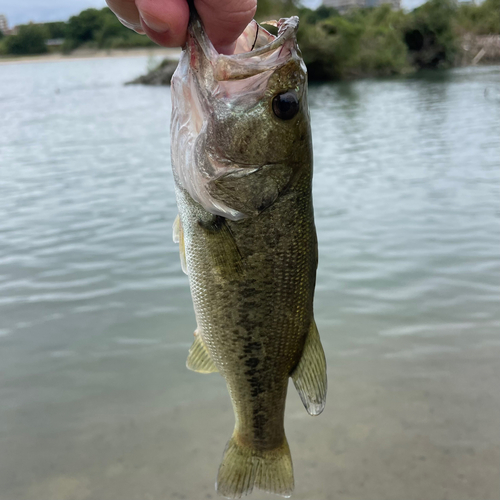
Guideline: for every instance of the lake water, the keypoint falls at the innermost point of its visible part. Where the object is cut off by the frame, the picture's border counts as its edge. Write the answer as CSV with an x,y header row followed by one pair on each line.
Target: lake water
x,y
96,315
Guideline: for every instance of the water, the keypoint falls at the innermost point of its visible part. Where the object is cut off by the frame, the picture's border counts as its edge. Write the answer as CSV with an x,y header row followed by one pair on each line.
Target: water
x,y
96,316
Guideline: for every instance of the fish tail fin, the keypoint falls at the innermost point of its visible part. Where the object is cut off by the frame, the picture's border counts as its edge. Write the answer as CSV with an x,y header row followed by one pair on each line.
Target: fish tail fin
x,y
244,467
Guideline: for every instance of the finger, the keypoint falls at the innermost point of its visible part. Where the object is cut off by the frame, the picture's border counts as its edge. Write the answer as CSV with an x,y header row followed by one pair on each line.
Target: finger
x,y
165,21
127,13
225,20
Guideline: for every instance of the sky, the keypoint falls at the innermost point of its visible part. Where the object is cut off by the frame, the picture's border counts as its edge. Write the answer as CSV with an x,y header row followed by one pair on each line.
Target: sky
x,y
39,11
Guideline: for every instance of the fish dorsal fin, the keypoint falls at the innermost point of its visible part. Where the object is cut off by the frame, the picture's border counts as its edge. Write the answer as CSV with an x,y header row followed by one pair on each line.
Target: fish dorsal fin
x,y
309,376
199,359
178,237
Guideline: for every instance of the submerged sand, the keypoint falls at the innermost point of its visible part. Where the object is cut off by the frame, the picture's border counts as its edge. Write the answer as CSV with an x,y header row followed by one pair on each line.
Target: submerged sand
x,y
397,426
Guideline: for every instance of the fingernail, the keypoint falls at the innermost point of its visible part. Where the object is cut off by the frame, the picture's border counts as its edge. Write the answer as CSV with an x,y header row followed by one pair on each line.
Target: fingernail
x,y
154,23
136,27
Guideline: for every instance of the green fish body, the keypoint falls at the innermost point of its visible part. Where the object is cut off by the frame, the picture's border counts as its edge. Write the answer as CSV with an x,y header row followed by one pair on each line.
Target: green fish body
x,y
242,161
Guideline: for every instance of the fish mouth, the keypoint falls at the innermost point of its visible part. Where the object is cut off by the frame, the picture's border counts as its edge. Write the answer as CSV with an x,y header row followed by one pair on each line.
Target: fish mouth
x,y
256,49
206,83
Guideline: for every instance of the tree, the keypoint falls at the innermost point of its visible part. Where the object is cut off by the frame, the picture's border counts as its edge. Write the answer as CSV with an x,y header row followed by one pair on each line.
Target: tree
x,y
29,40
482,19
56,29
430,36
100,28
273,9
83,27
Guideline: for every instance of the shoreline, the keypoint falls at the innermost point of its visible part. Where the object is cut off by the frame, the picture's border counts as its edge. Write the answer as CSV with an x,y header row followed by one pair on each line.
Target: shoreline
x,y
173,54
164,52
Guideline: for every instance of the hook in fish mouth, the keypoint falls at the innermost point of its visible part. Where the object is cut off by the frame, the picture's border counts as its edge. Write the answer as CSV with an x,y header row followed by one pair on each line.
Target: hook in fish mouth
x,y
256,49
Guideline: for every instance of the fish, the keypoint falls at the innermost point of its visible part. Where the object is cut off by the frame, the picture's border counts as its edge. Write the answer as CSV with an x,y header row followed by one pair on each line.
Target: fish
x,y
242,164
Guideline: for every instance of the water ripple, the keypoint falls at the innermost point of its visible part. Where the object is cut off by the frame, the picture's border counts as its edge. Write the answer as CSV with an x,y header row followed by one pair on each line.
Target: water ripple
x,y
93,303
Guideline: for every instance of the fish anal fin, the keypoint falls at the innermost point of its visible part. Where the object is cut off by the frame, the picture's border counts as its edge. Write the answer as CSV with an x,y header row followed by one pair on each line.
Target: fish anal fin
x,y
309,376
199,359
178,237
244,468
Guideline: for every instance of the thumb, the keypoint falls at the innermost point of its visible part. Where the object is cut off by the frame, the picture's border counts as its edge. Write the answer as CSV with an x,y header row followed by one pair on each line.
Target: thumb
x,y
225,20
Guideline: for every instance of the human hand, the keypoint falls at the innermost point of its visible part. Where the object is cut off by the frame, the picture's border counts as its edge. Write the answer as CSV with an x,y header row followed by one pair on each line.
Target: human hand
x,y
165,21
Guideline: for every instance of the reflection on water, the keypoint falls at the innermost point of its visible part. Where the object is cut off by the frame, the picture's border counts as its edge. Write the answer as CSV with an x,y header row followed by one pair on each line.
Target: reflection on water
x,y
96,316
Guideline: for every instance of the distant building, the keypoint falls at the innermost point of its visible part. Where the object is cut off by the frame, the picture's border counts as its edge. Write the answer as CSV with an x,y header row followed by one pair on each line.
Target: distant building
x,y
345,5
54,42
4,25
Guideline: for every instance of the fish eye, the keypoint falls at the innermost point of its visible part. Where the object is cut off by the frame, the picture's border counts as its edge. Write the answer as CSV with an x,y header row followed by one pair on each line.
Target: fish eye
x,y
286,105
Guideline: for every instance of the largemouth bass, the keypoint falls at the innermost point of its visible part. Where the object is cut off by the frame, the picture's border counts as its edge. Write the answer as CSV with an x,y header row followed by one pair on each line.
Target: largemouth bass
x,y
242,163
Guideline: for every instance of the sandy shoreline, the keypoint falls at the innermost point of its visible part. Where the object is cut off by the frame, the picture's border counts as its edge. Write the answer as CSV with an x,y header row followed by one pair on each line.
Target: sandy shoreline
x,y
94,54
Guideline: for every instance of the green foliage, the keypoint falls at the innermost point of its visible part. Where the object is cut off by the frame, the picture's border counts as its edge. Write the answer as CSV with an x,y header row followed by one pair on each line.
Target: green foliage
x,y
430,34
363,42
380,41
381,48
482,19
83,27
56,29
100,29
29,40
320,14
274,9
319,52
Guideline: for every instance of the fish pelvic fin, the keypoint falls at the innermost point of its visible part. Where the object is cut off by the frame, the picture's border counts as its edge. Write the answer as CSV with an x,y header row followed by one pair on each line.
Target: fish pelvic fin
x,y
309,376
178,237
244,467
199,359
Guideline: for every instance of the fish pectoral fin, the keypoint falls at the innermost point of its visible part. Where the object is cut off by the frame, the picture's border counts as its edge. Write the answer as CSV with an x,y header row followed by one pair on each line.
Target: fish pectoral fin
x,y
226,259
309,376
178,237
199,359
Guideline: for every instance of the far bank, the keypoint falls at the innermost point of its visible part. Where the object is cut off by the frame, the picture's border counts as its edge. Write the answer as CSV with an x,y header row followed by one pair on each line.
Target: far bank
x,y
154,52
